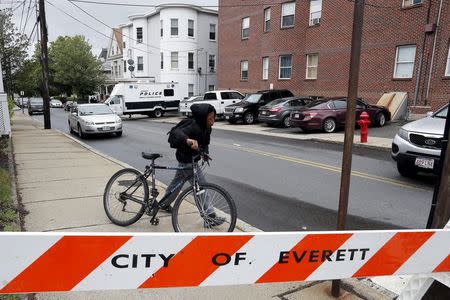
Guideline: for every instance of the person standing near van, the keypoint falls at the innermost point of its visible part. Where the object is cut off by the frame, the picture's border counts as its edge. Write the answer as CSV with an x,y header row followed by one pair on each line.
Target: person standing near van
x,y
188,137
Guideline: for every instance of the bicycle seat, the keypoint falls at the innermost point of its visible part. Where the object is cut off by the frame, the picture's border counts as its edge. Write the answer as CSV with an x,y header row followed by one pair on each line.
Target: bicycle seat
x,y
151,156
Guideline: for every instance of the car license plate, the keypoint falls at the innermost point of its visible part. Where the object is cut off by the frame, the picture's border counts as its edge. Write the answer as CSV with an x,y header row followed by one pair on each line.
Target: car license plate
x,y
227,117
105,128
297,116
425,163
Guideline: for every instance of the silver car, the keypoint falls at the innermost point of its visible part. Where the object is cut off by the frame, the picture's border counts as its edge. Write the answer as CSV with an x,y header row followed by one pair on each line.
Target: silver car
x,y
54,103
417,145
87,119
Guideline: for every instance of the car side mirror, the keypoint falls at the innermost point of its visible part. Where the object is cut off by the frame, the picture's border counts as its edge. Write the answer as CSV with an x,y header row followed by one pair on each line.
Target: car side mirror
x,y
429,114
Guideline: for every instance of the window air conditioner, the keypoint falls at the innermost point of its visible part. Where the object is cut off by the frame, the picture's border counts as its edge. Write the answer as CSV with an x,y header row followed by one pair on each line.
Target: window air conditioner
x,y
315,21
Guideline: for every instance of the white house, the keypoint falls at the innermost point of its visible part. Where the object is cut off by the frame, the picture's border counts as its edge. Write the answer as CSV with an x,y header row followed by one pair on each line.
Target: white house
x,y
174,42
115,55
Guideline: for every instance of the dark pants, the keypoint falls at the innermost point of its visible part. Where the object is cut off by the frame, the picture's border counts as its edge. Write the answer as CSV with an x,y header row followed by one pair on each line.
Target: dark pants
x,y
182,176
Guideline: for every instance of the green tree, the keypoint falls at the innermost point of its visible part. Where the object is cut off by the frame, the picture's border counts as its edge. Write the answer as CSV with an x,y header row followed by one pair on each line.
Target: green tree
x,y
73,67
28,78
13,46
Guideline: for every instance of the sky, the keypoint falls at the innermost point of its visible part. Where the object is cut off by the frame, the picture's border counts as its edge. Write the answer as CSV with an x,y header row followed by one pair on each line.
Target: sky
x,y
61,24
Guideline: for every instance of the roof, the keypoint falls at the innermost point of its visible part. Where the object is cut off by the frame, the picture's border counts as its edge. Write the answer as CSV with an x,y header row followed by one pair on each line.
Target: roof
x,y
103,54
119,37
171,5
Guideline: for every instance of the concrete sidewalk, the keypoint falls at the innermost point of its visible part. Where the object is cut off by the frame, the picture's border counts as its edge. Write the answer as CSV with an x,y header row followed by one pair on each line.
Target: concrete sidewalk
x,y
60,182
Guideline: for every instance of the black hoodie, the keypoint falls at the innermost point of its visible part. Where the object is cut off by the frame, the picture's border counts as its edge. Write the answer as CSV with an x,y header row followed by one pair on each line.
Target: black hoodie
x,y
195,129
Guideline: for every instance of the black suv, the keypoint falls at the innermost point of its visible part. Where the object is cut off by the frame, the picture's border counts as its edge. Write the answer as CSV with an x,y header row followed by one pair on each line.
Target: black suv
x,y
247,109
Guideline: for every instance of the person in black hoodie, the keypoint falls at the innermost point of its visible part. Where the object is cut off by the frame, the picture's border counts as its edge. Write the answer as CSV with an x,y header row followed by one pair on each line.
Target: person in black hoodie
x,y
188,137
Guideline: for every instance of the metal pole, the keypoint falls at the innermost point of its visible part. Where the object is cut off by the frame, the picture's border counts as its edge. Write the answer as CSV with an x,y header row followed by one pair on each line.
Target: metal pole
x,y
206,72
44,63
355,58
439,212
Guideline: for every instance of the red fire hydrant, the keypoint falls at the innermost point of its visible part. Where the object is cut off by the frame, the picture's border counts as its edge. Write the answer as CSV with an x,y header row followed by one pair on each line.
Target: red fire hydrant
x,y
364,123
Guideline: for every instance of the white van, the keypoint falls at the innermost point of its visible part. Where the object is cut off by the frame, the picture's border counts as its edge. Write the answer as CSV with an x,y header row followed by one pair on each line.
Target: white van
x,y
144,97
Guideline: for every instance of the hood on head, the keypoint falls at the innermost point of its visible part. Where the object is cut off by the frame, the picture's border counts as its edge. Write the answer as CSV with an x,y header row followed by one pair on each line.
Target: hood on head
x,y
200,113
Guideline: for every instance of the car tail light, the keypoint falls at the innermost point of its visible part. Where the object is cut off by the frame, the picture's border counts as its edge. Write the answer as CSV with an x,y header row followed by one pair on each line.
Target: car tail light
x,y
310,115
275,110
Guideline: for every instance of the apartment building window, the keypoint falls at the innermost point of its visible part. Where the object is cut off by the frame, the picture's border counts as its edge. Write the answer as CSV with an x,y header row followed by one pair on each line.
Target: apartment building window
x,y
190,90
287,14
162,61
312,63
191,61
174,60
212,63
139,35
161,28
140,63
404,61
285,71
447,69
409,3
211,87
212,32
244,70
124,66
265,67
124,45
315,12
174,27
190,28
245,28
267,15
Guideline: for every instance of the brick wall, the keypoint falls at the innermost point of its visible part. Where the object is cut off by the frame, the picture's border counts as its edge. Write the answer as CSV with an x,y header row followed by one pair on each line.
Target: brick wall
x,y
386,26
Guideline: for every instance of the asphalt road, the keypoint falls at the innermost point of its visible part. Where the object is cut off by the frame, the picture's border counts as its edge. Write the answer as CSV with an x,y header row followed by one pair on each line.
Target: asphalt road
x,y
284,185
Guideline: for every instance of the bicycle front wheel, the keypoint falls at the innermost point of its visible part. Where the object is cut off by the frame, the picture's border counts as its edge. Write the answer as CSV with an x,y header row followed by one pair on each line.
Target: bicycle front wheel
x,y
211,209
125,196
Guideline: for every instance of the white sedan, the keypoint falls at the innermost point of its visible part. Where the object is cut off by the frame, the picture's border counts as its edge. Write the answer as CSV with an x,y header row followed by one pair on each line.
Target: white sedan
x,y
87,119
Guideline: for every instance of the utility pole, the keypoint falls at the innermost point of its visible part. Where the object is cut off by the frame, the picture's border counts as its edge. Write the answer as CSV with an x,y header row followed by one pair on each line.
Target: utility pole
x,y
44,64
355,58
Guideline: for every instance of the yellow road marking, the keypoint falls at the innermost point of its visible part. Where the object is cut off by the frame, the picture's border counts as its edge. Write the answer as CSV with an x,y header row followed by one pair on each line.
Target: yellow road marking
x,y
326,167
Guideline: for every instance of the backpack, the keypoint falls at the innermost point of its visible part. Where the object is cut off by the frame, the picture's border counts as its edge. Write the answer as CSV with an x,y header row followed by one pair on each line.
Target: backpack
x,y
182,124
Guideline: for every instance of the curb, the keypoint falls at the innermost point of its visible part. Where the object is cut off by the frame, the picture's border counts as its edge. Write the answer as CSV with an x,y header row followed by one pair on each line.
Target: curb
x,y
315,140
241,225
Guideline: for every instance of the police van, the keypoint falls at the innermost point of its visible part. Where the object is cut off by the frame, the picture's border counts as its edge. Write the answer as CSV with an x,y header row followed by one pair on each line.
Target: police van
x,y
144,97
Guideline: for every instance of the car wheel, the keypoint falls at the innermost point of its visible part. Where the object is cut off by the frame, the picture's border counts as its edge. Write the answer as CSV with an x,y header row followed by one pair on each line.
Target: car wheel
x,y
30,113
406,170
70,129
249,118
380,119
80,132
329,125
158,113
119,134
287,121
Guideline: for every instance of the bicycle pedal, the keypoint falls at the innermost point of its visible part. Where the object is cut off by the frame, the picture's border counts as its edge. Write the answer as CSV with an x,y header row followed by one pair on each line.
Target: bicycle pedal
x,y
154,222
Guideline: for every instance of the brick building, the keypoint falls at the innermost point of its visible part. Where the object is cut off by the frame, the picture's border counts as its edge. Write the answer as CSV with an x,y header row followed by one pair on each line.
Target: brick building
x,y
304,46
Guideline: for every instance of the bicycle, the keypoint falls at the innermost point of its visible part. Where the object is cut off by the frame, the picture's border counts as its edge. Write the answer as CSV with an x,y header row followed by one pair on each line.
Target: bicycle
x,y
127,202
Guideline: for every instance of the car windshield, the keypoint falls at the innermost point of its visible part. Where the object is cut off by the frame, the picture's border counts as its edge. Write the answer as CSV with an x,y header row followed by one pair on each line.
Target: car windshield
x,y
276,102
442,114
253,98
316,104
37,101
94,110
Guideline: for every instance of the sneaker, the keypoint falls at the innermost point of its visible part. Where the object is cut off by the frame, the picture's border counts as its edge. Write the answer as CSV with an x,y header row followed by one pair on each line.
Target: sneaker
x,y
212,220
167,209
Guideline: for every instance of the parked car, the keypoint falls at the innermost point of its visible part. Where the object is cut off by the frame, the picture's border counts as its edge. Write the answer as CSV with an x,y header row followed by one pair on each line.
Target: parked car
x,y
278,112
247,109
185,105
417,145
329,114
87,119
35,105
221,99
56,103
68,105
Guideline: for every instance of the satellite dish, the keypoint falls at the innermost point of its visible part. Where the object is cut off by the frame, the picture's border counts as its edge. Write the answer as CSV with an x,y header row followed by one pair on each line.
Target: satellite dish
x,y
131,68
130,61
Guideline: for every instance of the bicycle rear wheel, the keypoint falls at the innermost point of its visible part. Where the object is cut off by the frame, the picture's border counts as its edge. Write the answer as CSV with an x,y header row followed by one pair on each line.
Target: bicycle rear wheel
x,y
125,196
211,210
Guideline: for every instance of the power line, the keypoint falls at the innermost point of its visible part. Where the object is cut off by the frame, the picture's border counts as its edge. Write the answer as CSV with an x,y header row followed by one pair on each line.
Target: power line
x,y
21,17
28,15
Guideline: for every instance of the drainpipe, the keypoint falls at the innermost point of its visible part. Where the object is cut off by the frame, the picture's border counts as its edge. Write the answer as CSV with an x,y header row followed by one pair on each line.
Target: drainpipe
x,y
434,52
419,73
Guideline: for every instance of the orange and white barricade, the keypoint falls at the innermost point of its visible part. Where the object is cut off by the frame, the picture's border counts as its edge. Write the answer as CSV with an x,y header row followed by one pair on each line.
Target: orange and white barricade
x,y
49,262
